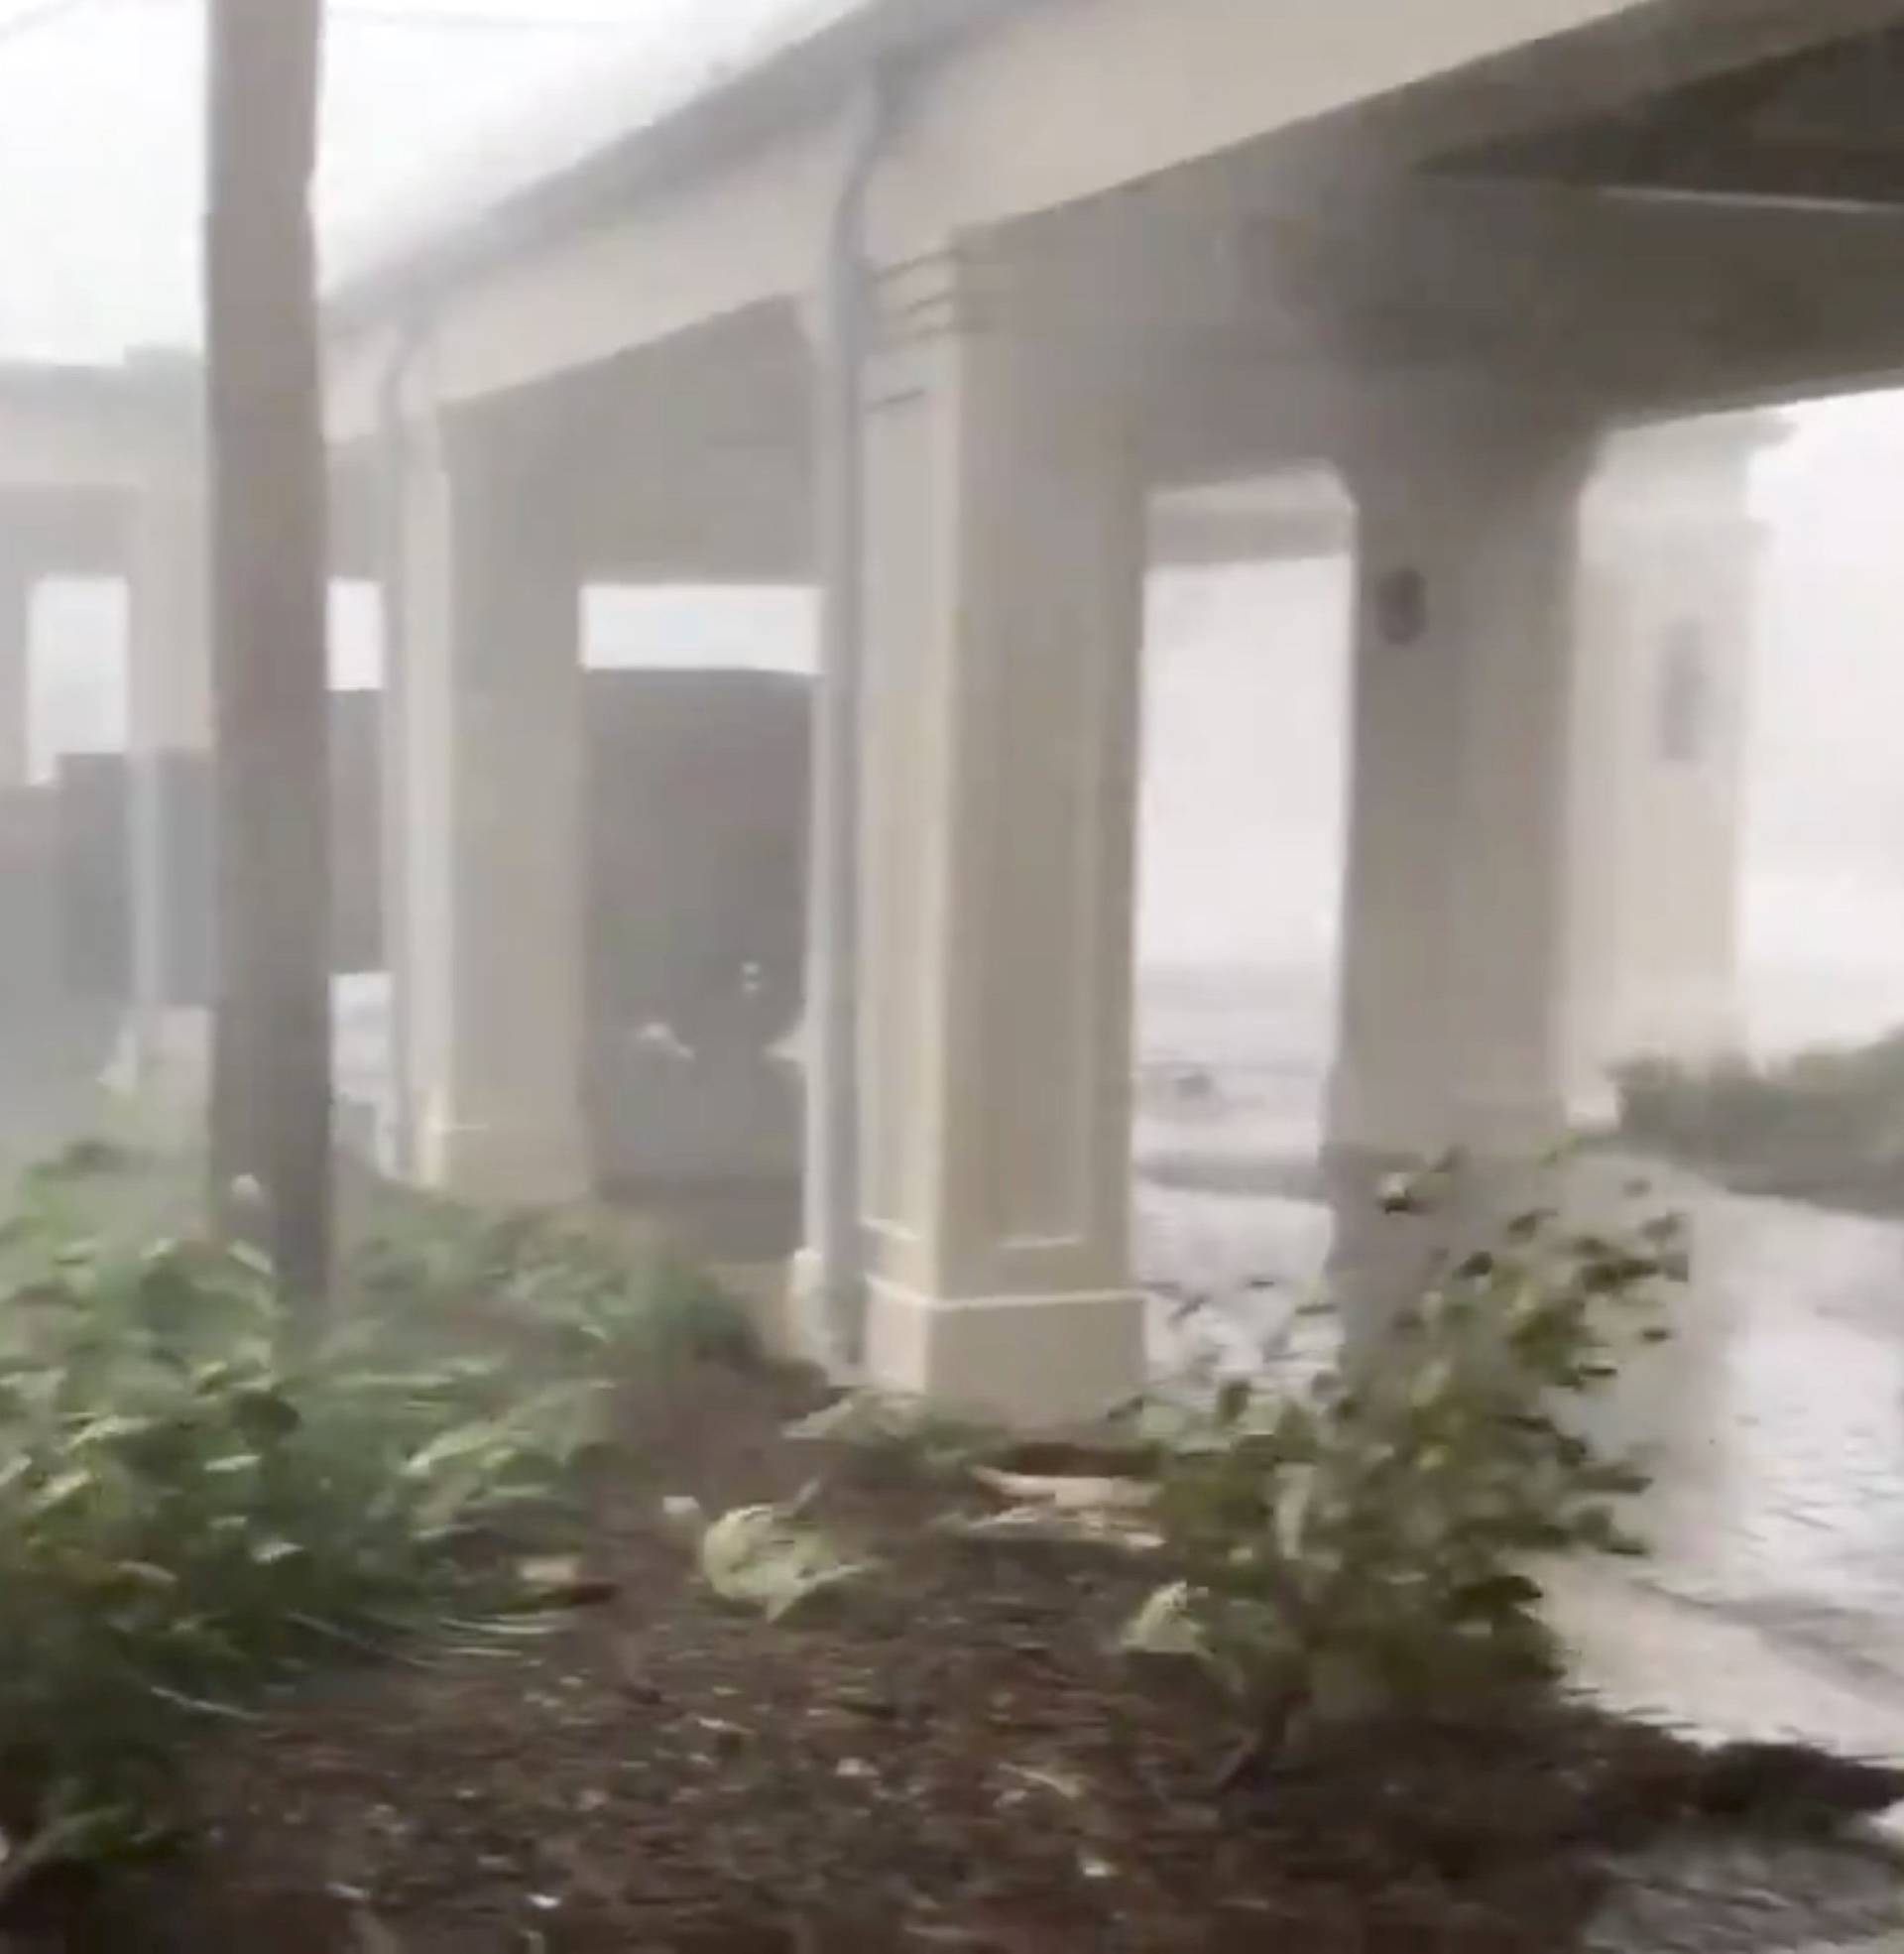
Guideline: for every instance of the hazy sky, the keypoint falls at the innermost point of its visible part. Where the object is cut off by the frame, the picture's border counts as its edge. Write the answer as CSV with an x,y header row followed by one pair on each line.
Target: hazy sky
x,y
1826,848
428,106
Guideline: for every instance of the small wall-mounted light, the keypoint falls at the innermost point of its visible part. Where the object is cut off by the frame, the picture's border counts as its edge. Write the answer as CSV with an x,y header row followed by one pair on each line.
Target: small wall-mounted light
x,y
1399,602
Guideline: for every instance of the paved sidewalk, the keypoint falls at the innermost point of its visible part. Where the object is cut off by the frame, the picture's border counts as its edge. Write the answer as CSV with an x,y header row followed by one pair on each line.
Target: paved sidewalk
x,y
1700,1667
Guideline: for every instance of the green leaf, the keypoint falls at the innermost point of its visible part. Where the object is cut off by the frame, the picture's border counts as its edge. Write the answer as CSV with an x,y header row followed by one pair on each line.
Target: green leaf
x,y
145,1574
61,1491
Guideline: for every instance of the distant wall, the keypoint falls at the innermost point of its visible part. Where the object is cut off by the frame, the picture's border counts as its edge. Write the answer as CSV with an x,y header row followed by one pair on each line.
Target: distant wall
x,y
697,797
697,812
86,832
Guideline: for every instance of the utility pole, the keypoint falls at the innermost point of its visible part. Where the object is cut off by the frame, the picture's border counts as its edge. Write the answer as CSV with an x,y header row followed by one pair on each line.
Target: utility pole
x,y
271,1099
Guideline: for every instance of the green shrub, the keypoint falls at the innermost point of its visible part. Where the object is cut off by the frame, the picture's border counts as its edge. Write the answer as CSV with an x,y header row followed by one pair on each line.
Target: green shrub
x,y
1827,1123
186,1514
1366,1544
193,1506
555,1276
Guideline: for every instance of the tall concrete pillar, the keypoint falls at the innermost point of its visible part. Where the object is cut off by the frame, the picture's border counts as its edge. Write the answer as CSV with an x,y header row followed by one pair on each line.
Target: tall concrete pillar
x,y
1003,559
1672,559
485,917
1459,931
16,635
169,741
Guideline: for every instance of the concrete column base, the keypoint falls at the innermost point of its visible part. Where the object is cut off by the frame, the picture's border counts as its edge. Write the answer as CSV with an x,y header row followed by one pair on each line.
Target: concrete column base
x,y
1045,1359
805,1327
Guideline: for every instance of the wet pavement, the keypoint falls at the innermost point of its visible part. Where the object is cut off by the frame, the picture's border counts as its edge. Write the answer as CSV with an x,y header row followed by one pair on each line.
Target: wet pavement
x,y
1730,1897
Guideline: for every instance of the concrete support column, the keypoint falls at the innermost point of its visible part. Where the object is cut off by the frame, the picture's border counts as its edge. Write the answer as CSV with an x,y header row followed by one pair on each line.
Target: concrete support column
x,y
1459,929
485,924
1003,559
169,741
16,647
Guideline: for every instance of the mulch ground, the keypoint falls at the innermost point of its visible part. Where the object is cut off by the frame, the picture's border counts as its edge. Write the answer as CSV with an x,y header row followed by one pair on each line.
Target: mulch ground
x,y
952,1757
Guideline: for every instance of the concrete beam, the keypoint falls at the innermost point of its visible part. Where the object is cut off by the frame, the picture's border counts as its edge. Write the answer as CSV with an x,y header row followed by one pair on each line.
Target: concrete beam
x,y
708,249
81,428
1107,96
1633,311
1249,344
1053,104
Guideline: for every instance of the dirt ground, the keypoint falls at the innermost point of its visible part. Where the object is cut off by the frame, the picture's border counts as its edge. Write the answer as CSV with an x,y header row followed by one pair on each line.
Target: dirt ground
x,y
952,1756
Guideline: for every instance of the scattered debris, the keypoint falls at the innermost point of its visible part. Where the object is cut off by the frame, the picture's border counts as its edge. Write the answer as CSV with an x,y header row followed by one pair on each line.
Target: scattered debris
x,y
1050,1526
1167,1627
1068,1495
558,1581
764,1557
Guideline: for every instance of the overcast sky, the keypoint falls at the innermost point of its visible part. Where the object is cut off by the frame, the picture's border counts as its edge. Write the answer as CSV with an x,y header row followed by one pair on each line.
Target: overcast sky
x,y
428,106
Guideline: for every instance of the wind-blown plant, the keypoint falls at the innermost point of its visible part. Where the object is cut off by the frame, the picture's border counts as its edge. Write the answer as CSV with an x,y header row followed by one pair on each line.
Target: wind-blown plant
x,y
188,1513
552,1274
1373,1542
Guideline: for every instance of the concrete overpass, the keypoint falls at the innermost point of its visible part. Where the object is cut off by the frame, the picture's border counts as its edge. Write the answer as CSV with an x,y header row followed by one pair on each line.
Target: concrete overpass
x,y
929,306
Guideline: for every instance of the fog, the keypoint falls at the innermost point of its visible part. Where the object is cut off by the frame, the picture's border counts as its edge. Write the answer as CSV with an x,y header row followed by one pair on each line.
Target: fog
x,y
1246,713
436,105
1824,889
1247,695
431,106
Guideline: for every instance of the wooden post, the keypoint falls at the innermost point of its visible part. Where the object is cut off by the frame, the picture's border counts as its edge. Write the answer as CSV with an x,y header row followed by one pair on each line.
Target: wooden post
x,y
271,1099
